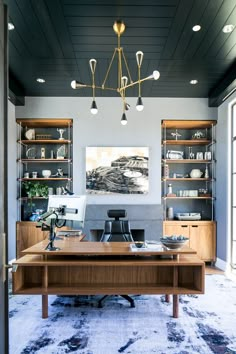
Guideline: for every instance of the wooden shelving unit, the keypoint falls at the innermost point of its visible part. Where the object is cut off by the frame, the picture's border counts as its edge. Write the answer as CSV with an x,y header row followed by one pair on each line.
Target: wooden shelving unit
x,y
201,233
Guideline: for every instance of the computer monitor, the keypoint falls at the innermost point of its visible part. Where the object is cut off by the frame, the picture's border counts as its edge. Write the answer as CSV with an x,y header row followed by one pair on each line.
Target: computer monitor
x,y
68,207
62,208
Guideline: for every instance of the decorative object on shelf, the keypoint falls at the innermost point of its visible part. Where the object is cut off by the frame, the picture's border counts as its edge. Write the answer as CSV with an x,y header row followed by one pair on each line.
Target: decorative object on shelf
x,y
43,136
175,155
26,175
169,188
59,173
202,192
196,173
170,192
34,174
35,215
42,153
166,171
52,154
190,153
199,156
188,216
190,193
170,213
59,190
61,131
207,155
30,134
176,134
46,173
206,173
61,152
50,191
174,242
119,28
31,153
198,135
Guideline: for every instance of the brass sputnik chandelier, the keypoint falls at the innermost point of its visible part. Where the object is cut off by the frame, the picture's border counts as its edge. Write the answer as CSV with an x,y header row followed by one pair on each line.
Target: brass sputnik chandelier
x,y
124,82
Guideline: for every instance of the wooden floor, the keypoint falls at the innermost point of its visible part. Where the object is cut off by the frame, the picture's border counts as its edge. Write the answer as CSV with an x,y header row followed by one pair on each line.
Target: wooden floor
x,y
213,270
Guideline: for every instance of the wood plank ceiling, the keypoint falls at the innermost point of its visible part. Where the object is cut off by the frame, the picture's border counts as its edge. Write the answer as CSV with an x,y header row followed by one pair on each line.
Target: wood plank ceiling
x,y
54,40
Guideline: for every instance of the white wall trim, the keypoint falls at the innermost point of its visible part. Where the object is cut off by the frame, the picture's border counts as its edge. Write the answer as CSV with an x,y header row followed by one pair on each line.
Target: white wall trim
x,y
222,265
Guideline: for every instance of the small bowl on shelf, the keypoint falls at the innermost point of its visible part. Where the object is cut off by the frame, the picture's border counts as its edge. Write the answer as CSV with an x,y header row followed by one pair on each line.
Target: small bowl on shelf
x,y
46,173
139,244
174,242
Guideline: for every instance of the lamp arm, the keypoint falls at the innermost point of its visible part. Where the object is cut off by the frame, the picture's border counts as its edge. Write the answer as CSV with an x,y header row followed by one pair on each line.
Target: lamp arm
x,y
135,83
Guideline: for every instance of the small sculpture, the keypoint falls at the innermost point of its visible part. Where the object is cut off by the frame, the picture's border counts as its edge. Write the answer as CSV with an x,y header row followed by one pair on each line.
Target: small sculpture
x,y
61,131
176,134
198,135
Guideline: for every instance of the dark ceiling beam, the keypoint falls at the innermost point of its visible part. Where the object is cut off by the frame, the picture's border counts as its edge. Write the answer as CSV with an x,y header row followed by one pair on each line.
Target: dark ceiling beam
x,y
224,88
16,92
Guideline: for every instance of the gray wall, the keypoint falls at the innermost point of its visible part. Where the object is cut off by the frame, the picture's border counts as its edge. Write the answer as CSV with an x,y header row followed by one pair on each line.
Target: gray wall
x,y
104,129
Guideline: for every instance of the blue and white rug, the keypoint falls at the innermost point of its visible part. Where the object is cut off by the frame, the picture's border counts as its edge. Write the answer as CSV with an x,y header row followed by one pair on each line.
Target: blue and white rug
x,y
206,324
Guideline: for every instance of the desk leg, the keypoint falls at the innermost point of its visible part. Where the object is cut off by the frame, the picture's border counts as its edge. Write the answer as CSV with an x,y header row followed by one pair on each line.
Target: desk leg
x,y
167,298
44,306
175,306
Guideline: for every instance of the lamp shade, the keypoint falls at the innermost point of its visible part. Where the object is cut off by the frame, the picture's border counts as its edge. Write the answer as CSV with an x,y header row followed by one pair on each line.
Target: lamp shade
x,y
123,119
139,105
94,109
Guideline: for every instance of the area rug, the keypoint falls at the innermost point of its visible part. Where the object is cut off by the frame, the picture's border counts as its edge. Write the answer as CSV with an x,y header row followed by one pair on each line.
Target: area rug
x,y
206,324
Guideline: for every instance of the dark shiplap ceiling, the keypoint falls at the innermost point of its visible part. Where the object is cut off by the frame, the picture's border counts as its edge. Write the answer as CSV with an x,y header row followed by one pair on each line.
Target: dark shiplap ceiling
x,y
54,39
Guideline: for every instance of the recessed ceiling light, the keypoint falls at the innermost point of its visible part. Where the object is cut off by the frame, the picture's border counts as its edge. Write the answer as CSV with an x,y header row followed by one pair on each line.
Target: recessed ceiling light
x,y
193,82
196,28
228,28
40,80
10,26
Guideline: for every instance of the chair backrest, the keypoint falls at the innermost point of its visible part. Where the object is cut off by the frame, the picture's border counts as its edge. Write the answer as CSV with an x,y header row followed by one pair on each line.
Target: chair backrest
x,y
116,230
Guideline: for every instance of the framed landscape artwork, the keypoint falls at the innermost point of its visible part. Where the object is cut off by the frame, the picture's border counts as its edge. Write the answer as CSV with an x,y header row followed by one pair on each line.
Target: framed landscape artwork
x,y
117,170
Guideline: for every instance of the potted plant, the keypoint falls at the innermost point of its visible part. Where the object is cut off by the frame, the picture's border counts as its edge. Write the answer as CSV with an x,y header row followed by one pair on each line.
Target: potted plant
x,y
33,190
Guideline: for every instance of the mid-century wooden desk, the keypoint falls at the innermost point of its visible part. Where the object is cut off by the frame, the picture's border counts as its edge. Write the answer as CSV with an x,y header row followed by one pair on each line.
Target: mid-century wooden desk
x,y
89,268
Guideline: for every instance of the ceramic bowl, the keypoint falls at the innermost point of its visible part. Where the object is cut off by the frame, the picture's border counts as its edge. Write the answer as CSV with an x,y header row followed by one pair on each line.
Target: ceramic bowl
x,y
46,173
139,244
174,242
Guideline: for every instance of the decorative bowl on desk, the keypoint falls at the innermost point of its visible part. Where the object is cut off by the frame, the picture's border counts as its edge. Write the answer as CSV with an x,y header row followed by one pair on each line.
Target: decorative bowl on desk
x,y
174,242
139,244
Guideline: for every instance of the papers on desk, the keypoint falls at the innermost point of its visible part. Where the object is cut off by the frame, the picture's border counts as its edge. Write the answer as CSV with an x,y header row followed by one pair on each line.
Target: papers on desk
x,y
68,233
147,247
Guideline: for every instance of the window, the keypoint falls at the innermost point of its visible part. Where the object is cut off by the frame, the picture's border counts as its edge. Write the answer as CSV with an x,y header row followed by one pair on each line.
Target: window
x,y
233,189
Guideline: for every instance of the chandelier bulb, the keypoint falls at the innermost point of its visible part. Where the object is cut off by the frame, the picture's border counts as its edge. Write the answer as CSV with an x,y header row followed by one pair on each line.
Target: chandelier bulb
x,y
94,109
156,74
123,119
139,105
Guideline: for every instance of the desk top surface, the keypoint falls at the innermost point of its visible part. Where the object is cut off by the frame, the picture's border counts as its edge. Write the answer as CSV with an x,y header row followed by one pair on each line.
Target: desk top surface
x,y
73,246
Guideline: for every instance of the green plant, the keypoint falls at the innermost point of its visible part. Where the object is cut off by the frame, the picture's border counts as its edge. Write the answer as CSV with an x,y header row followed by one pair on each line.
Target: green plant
x,y
35,189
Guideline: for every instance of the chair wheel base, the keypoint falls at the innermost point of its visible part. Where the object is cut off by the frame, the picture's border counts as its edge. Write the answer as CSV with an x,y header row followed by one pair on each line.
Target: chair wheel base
x,y
126,297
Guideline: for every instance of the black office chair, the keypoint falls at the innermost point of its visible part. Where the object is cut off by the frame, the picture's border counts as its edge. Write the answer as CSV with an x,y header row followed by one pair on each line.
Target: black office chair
x,y
117,231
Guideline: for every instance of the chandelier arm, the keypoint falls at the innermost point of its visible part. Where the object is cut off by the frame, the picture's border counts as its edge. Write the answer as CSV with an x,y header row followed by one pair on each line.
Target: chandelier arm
x,y
135,83
109,68
139,83
126,65
119,74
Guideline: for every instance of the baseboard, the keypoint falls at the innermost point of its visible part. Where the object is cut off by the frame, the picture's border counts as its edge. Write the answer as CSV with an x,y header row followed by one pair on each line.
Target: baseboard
x,y
222,264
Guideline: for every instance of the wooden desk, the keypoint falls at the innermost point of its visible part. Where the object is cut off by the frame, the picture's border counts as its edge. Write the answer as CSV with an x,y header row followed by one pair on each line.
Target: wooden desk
x,y
89,268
